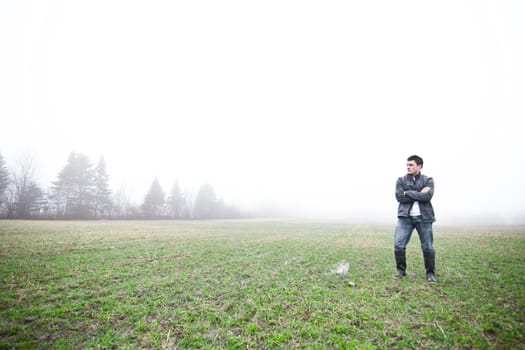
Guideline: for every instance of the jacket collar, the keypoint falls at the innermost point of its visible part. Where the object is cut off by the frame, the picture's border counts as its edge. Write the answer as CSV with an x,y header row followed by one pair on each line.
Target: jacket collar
x,y
415,177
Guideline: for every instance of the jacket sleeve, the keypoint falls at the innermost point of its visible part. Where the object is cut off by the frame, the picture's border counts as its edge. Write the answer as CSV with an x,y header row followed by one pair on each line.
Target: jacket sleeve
x,y
420,196
400,192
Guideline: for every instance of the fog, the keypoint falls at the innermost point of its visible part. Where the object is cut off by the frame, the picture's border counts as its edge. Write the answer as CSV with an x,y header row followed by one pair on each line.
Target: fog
x,y
301,108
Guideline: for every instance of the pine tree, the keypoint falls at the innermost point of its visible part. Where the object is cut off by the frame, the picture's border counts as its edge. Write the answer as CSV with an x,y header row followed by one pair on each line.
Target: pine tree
x,y
176,202
153,201
102,193
206,203
73,192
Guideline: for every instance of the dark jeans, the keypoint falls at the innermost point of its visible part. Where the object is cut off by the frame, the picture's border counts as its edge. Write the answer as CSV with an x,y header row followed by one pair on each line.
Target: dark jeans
x,y
404,229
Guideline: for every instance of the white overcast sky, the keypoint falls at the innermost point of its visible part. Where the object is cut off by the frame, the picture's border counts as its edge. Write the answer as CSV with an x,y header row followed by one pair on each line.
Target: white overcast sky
x,y
310,105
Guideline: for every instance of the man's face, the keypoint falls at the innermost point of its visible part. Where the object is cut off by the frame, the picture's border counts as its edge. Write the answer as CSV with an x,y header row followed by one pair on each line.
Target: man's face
x,y
412,168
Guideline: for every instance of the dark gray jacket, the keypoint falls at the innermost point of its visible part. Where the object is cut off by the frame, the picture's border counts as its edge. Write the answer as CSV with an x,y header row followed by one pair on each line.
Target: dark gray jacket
x,y
408,190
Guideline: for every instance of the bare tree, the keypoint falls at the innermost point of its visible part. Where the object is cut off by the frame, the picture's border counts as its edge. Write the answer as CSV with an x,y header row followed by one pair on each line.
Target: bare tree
x,y
122,206
27,194
4,183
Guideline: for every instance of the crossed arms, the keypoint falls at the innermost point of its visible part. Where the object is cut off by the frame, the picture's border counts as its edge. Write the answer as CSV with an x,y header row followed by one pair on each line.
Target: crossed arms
x,y
409,196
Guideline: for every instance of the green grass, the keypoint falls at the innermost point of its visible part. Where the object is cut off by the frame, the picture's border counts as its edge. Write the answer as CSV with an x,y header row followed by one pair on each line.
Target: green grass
x,y
255,285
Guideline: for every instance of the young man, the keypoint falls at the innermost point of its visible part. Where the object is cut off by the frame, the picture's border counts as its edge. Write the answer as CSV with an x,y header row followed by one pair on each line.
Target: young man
x,y
414,192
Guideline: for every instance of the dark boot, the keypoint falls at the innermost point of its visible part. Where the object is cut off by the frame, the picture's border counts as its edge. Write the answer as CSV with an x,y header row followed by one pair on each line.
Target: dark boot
x,y
430,258
401,263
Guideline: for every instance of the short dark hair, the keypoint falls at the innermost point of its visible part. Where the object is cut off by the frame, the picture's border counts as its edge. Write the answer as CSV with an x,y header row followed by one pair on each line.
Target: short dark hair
x,y
417,159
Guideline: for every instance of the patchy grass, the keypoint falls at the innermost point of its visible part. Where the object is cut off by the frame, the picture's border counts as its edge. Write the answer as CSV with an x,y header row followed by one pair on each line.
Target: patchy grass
x,y
255,284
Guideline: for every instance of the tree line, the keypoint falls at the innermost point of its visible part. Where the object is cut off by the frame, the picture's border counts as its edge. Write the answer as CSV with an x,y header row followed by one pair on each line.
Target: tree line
x,y
81,191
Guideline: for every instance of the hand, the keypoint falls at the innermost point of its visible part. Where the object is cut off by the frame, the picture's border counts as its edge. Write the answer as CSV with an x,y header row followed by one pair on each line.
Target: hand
x,y
425,189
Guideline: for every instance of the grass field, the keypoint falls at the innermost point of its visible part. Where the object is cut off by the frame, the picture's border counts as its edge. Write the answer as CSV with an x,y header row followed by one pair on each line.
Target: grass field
x,y
255,285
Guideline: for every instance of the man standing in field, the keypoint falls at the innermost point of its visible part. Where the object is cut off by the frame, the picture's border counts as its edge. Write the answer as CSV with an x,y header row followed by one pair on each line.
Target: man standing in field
x,y
414,192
